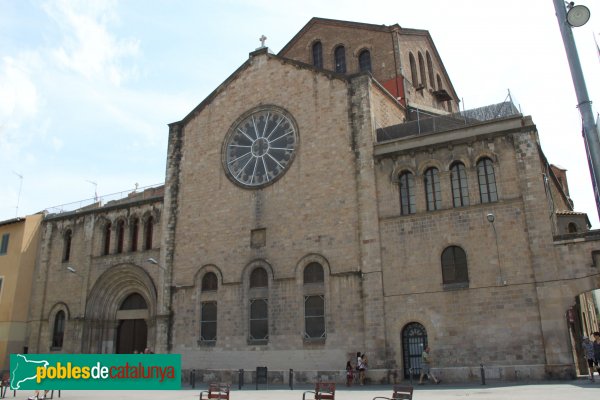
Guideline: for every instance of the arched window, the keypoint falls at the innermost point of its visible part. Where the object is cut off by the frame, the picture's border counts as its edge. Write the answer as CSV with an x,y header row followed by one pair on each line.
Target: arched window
x,y
209,282
313,273
433,192
135,232
430,69
439,82
148,232
422,70
314,302
107,229
120,235
58,331
413,70
340,59
572,227
317,54
454,266
487,181
364,61
407,193
67,245
460,191
259,278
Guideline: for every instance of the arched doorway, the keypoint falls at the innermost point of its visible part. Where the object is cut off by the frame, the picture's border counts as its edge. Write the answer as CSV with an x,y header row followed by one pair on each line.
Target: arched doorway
x,y
414,340
121,312
132,333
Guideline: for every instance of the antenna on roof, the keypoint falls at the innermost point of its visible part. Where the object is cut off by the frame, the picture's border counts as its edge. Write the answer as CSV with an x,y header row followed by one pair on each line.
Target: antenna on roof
x,y
95,190
19,196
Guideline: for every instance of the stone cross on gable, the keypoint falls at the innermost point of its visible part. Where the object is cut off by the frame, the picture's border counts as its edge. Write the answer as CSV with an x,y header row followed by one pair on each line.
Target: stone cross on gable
x,y
262,39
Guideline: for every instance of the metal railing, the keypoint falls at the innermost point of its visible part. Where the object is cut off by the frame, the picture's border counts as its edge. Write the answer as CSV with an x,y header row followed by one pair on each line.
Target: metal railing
x,y
127,196
442,123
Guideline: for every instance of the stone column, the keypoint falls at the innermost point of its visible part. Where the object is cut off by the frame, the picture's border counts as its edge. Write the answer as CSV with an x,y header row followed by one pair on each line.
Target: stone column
x,y
553,298
164,313
362,126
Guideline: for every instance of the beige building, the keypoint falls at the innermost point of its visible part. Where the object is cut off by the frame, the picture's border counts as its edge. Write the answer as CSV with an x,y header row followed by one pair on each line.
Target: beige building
x,y
328,200
19,240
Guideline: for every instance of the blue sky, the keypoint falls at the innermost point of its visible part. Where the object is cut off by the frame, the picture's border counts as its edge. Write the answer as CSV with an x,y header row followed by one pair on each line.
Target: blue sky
x,y
87,88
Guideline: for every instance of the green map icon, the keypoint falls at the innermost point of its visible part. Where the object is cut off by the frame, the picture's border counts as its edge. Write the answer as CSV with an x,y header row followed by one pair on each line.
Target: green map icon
x,y
23,369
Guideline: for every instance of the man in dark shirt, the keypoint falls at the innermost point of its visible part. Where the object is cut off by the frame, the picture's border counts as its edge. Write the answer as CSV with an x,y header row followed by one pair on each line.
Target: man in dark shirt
x,y
597,350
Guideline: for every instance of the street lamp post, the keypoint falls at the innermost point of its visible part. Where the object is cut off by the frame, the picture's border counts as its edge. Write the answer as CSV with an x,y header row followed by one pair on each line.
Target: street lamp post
x,y
74,272
578,16
82,304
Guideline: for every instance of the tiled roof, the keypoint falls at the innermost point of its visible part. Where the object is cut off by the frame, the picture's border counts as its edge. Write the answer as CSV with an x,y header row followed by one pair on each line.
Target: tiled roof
x,y
569,212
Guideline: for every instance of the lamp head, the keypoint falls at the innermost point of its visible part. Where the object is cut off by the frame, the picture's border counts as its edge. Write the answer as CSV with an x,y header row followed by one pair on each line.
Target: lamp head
x,y
152,261
578,15
491,218
72,270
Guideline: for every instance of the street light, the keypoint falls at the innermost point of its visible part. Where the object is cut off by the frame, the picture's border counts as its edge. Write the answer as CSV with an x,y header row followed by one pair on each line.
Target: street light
x,y
153,261
491,218
578,16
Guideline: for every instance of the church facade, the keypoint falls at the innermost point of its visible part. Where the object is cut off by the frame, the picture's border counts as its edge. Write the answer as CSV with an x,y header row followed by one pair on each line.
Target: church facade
x,y
324,201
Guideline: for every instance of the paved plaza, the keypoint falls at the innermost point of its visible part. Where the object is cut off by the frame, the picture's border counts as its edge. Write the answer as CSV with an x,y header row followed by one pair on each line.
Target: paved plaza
x,y
564,390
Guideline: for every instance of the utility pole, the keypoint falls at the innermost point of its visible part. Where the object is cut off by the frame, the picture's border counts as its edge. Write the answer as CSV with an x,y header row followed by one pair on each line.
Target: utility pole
x,y
19,196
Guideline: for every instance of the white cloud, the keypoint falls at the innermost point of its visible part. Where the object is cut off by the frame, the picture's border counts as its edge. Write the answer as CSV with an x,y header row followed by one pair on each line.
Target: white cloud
x,y
19,102
19,95
88,48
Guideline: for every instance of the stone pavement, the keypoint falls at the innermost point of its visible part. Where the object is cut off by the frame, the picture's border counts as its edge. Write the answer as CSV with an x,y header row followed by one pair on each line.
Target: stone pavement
x,y
548,390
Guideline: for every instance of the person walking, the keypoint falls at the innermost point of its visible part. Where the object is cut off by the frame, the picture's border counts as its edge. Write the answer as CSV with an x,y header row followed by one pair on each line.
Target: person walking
x,y
596,344
37,396
426,366
588,351
361,368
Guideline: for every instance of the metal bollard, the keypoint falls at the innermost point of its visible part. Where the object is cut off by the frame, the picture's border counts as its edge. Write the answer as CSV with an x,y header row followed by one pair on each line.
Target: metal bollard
x,y
240,378
482,371
291,379
193,378
410,375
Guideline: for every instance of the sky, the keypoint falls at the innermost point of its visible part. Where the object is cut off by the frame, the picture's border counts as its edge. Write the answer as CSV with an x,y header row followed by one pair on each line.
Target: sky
x,y
88,87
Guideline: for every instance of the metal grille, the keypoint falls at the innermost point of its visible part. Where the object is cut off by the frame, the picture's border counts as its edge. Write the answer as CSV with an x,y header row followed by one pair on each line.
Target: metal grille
x,y
426,124
414,340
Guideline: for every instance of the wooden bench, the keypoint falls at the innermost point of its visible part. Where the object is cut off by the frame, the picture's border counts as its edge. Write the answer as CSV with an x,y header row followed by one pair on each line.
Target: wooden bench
x,y
323,391
399,392
219,391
